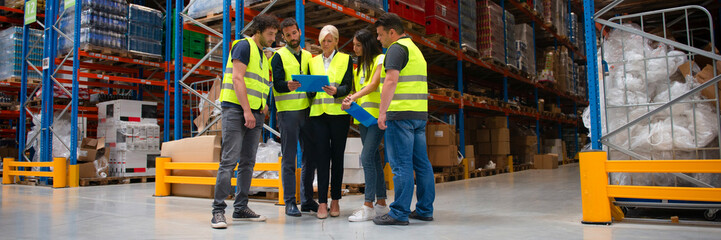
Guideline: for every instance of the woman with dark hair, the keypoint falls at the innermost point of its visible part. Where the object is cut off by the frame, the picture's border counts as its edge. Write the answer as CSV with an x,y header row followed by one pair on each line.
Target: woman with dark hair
x,y
367,80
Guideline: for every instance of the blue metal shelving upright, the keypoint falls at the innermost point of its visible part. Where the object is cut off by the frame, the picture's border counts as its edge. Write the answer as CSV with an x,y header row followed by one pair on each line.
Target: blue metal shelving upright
x,y
592,73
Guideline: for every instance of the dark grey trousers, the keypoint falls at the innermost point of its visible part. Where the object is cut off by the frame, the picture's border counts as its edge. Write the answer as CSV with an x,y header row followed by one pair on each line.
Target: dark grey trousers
x,y
239,147
292,132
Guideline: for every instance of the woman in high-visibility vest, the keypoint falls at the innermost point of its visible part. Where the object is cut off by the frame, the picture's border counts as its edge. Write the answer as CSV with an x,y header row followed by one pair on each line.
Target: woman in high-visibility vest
x,y
329,124
367,84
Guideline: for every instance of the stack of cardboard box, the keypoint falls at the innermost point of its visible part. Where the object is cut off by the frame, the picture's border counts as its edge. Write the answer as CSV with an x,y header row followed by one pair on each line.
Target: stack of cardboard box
x,y
524,148
442,149
93,158
494,142
545,161
556,147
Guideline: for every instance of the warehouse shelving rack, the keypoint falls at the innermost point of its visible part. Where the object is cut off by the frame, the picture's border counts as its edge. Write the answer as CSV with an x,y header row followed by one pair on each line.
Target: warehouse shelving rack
x,y
342,14
467,69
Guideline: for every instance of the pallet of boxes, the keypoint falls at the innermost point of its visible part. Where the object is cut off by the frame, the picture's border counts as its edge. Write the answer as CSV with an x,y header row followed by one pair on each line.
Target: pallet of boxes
x,y
524,147
555,151
443,152
493,144
132,136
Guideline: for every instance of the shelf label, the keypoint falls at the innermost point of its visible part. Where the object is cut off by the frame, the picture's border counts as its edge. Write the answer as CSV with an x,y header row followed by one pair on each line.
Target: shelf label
x,y
69,4
31,10
46,63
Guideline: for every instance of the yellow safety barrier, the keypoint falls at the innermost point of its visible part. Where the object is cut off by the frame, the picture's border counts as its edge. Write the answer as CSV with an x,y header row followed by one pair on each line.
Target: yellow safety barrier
x,y
597,194
59,173
163,178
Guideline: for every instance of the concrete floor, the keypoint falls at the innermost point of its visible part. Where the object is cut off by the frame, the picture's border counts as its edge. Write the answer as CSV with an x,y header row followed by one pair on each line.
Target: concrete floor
x,y
533,204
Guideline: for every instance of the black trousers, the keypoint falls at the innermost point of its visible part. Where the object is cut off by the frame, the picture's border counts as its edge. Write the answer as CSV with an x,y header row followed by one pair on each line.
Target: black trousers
x,y
328,136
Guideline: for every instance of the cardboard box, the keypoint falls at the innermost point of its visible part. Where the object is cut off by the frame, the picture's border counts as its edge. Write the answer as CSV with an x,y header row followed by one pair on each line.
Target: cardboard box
x,y
484,149
470,151
90,148
545,161
353,176
440,135
128,111
443,156
501,161
352,160
197,149
483,135
500,148
471,164
472,123
204,117
500,135
353,145
524,141
496,122
94,169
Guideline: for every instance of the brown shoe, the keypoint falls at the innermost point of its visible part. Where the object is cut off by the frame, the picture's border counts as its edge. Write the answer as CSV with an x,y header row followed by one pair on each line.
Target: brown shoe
x,y
334,208
322,211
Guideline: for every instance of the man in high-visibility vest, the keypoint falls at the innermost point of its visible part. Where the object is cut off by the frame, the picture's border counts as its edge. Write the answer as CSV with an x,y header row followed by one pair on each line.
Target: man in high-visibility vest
x,y
403,114
293,111
243,96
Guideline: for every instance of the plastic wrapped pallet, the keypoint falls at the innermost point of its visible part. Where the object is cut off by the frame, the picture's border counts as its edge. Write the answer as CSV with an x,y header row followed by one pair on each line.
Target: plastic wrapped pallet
x,y
490,31
144,30
102,24
11,52
525,48
217,55
468,25
201,9
511,55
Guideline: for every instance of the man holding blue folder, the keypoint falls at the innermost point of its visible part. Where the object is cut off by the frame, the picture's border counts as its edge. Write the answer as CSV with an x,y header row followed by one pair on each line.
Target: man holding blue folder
x,y
293,111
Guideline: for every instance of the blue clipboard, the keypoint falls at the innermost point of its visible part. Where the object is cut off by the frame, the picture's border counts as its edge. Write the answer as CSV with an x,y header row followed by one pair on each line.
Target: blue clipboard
x,y
362,115
311,83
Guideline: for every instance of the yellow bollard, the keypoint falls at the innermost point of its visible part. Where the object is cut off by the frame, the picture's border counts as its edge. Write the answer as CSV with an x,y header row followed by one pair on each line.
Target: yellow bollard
x,y
162,189
464,163
74,175
594,181
281,192
60,172
388,173
297,185
7,179
510,163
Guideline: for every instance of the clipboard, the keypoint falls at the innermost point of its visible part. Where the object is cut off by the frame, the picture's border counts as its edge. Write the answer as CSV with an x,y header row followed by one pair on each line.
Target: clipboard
x,y
361,115
311,83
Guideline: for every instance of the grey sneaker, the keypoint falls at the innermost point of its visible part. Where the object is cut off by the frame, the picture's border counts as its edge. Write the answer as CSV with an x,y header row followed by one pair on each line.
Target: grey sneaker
x,y
245,214
218,221
415,215
388,220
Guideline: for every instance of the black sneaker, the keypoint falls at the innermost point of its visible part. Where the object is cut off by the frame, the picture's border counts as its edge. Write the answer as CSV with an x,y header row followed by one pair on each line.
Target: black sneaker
x,y
313,206
218,221
246,214
388,220
415,215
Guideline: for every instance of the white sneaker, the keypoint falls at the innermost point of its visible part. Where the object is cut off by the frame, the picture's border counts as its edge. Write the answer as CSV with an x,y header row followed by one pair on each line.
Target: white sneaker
x,y
381,210
363,214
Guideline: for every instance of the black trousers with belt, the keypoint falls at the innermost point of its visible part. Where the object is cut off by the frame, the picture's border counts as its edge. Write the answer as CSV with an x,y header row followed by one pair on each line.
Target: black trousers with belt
x,y
328,136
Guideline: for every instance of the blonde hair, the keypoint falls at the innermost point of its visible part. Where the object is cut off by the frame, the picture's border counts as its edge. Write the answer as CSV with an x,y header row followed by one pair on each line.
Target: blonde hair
x,y
328,29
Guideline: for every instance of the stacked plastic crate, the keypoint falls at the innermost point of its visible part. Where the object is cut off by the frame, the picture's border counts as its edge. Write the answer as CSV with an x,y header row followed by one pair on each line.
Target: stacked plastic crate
x,y
469,29
442,18
103,24
11,56
411,10
490,31
145,33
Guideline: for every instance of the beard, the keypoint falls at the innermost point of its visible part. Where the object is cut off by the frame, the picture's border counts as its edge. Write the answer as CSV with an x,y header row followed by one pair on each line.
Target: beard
x,y
294,43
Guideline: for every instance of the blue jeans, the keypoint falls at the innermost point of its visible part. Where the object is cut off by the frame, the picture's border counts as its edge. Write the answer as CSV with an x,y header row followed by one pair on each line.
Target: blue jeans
x,y
372,164
405,141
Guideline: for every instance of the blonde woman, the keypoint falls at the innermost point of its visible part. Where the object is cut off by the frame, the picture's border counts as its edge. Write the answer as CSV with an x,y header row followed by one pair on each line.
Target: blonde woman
x,y
330,124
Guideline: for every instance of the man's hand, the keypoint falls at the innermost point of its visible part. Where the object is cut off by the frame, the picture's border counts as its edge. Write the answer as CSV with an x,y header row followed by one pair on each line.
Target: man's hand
x,y
265,111
346,103
382,121
330,90
293,85
249,119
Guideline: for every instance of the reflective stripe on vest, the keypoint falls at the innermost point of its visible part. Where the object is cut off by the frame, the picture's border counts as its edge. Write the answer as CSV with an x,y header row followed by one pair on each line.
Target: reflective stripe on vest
x,y
292,101
256,78
411,93
324,103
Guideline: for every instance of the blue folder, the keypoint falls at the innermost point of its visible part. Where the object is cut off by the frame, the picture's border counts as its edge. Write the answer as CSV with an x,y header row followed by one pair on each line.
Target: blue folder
x,y
311,83
361,115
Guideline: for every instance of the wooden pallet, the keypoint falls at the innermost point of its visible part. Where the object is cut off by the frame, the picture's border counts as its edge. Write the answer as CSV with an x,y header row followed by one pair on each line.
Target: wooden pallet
x,y
443,40
482,173
470,51
31,81
494,62
522,167
446,92
9,106
115,180
446,177
354,188
363,7
105,51
415,28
